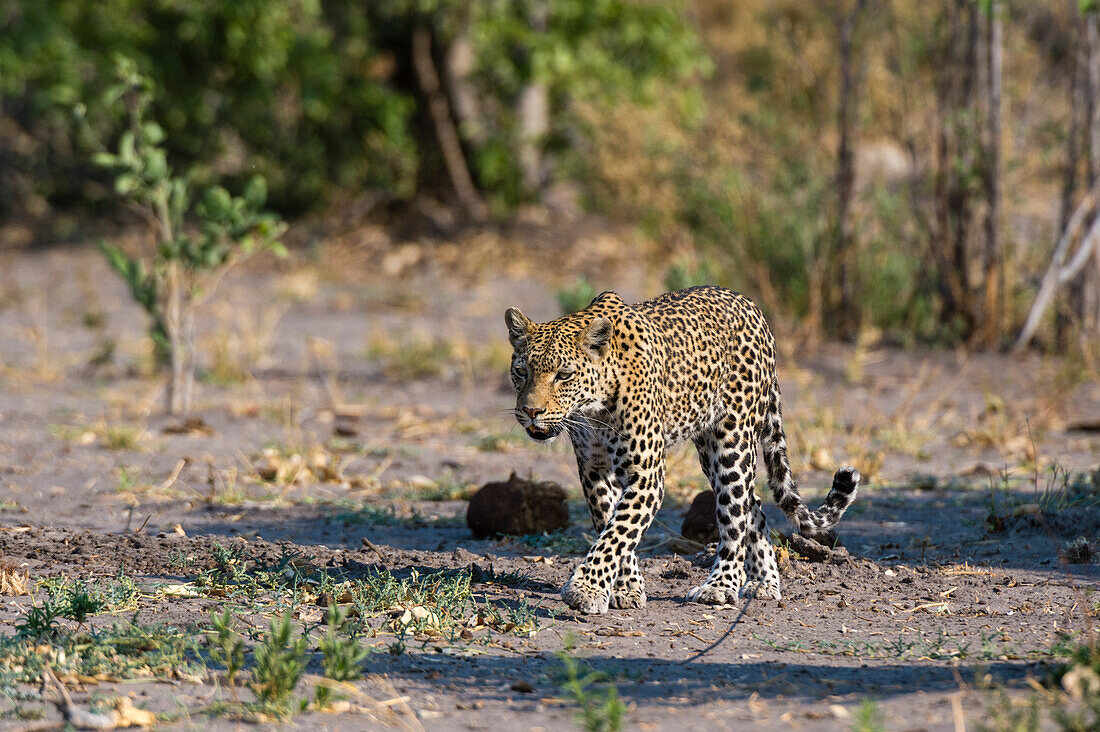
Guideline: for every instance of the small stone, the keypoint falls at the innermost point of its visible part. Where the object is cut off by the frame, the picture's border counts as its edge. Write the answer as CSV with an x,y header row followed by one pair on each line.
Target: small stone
x,y
462,555
523,687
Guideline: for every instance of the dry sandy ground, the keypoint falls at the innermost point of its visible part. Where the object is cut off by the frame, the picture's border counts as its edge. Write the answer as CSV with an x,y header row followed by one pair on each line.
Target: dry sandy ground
x,y
391,386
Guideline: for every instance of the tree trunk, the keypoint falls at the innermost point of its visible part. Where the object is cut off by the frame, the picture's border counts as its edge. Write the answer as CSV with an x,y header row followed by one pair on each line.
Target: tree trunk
x,y
533,111
993,310
174,325
1063,323
189,353
848,320
457,65
962,204
1089,303
533,114
446,134
954,152
1083,291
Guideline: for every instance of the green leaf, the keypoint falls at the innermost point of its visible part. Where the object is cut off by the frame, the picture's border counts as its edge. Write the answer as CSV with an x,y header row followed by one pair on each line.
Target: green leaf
x,y
255,192
217,204
105,159
126,184
156,165
153,133
126,148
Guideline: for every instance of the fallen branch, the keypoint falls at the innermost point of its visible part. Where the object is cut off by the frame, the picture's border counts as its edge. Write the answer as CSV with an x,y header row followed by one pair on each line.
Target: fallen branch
x,y
815,551
85,719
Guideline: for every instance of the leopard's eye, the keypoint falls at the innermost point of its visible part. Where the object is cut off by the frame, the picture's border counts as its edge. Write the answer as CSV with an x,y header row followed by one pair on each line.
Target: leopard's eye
x,y
520,373
564,375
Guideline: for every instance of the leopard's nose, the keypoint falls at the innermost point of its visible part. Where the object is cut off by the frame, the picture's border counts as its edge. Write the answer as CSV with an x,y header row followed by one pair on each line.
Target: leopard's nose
x,y
532,412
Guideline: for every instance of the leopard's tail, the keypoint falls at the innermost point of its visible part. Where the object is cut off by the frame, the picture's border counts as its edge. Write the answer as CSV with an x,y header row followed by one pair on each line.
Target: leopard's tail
x,y
805,521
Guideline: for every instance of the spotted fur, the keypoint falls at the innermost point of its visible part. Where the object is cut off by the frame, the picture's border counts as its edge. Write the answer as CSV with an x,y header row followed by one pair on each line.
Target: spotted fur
x,y
625,382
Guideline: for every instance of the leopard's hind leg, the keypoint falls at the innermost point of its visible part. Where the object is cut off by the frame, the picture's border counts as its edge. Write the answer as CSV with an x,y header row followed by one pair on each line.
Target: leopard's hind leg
x,y
763,571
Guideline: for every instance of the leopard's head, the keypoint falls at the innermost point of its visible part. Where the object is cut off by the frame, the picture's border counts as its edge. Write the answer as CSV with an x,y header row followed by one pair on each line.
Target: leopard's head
x,y
556,369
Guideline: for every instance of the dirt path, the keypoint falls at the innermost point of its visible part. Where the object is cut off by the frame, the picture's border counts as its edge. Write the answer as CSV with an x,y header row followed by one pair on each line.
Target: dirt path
x,y
333,412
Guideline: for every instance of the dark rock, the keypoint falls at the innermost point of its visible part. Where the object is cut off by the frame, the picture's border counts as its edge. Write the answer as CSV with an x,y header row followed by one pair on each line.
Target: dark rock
x,y
701,522
517,506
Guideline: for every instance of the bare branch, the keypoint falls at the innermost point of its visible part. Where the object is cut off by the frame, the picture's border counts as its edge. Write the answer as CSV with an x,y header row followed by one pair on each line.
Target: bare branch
x,y
1053,278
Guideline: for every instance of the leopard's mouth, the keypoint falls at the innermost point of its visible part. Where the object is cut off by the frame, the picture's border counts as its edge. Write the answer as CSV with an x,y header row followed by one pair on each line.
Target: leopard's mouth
x,y
542,433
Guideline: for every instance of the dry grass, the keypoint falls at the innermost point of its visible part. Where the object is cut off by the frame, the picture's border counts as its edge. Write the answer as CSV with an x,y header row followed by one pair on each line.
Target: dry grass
x,y
241,342
14,581
121,436
423,354
1011,429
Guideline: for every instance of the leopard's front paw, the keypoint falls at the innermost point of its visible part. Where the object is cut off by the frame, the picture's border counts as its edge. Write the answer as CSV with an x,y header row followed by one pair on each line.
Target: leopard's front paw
x,y
713,593
628,593
761,590
584,597
625,598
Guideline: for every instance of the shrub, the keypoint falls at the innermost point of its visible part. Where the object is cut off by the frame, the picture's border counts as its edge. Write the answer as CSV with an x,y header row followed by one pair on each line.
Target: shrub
x,y
197,240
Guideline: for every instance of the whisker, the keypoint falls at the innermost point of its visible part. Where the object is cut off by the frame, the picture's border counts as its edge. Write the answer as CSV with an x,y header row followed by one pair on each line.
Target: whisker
x,y
572,424
602,424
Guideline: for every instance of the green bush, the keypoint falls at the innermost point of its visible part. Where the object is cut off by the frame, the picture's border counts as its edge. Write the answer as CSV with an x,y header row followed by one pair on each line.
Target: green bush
x,y
318,97
575,297
292,89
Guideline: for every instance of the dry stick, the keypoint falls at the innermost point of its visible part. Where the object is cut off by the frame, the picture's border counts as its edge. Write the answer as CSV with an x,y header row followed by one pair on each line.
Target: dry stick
x,y
141,528
370,545
957,712
171,480
1057,275
80,718
1083,253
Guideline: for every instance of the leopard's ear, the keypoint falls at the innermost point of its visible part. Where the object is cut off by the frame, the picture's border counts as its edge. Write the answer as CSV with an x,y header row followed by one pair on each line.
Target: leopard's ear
x,y
519,327
595,340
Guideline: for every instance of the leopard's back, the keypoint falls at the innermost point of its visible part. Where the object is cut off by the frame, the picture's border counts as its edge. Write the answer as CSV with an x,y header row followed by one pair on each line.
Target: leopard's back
x,y
718,358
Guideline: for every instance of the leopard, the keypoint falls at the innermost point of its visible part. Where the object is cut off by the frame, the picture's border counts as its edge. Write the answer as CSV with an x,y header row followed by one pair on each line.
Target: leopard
x,y
627,382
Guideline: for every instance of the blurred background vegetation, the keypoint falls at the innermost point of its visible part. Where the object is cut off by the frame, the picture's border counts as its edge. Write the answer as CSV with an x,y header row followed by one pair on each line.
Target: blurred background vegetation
x,y
892,168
